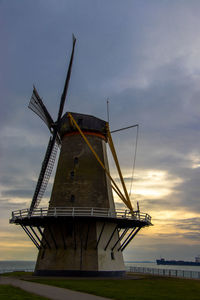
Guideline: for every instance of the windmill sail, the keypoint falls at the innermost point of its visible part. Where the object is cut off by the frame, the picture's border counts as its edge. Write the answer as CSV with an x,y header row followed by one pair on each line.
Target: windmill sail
x,y
45,173
64,94
38,107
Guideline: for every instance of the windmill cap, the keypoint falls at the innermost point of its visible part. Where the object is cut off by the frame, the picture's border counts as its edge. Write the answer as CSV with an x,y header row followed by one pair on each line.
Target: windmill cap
x,y
85,122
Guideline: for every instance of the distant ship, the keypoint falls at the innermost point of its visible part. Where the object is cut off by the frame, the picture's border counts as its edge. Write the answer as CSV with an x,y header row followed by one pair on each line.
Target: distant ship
x,y
162,261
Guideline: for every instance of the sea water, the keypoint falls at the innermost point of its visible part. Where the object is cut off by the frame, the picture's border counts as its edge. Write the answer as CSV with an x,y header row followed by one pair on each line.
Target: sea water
x,y
29,266
16,265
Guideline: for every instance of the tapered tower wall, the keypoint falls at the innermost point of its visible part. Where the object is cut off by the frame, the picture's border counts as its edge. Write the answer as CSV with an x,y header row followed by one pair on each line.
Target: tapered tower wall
x,y
79,252
80,181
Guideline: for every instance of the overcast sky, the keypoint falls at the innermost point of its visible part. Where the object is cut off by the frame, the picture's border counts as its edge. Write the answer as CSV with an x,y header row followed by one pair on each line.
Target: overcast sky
x,y
145,57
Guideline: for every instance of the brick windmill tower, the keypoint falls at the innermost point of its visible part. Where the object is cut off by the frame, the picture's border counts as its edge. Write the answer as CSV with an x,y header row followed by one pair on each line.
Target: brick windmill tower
x,y
80,233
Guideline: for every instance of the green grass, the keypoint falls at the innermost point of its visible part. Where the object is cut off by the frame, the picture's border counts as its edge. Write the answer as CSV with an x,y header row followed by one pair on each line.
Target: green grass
x,y
8,292
146,288
143,287
17,274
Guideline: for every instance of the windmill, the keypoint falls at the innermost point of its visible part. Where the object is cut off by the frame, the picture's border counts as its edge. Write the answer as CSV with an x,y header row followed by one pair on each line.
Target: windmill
x,y
80,233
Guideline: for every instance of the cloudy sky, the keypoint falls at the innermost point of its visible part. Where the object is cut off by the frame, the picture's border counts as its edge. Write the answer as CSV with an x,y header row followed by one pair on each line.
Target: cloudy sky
x,y
145,57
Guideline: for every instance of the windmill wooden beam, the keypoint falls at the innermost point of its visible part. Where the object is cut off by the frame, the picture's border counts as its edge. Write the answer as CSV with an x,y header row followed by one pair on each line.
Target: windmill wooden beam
x,y
125,198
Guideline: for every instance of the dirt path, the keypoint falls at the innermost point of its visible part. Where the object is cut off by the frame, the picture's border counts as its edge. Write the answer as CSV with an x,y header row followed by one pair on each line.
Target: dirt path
x,y
48,291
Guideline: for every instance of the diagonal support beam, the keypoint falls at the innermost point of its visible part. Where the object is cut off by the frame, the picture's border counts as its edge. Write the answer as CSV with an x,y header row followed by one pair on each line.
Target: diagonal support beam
x,y
102,229
124,128
120,238
132,231
52,236
35,233
87,235
112,148
100,162
134,234
31,237
63,235
43,236
74,230
111,237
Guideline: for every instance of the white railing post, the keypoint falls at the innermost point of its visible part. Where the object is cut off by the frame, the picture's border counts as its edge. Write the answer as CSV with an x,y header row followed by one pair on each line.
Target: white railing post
x,y
80,211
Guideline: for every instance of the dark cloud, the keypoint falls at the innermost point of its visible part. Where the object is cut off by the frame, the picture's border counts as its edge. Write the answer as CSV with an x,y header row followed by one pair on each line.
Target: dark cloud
x,y
20,193
189,224
144,56
17,193
6,203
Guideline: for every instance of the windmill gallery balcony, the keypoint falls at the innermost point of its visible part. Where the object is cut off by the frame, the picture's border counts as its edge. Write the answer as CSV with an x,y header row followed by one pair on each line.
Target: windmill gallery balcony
x,y
126,221
118,214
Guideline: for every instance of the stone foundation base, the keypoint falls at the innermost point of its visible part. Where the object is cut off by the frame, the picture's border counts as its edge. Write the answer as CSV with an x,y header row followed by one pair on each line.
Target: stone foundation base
x,y
77,273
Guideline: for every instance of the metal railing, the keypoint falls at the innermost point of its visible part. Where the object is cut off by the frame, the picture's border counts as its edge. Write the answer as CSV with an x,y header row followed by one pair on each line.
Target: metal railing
x,y
165,272
81,211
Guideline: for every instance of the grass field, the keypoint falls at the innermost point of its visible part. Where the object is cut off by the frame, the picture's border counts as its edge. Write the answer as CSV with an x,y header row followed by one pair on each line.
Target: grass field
x,y
146,288
19,274
143,288
8,292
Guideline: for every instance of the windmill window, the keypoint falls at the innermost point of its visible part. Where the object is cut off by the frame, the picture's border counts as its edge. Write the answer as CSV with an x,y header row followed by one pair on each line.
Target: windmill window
x,y
80,122
112,256
72,174
72,199
43,252
75,160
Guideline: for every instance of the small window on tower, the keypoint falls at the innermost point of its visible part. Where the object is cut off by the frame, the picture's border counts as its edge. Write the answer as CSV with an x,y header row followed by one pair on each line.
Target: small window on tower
x,y
80,122
72,199
112,256
72,174
42,255
75,160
